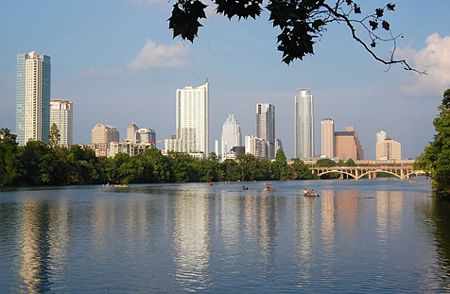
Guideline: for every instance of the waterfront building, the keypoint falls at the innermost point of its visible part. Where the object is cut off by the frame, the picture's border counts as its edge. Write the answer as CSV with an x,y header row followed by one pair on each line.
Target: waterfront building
x,y
104,134
304,124
33,97
388,149
256,146
132,133
231,135
192,126
127,147
347,145
146,136
327,138
265,126
61,114
381,136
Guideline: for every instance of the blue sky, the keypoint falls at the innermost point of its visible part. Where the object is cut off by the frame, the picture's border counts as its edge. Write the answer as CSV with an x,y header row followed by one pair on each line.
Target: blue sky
x,y
117,62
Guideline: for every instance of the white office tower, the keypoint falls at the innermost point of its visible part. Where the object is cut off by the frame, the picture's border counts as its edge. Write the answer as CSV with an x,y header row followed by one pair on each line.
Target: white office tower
x,y
381,136
61,114
231,135
32,97
256,146
265,126
104,134
192,119
388,149
327,138
132,133
304,124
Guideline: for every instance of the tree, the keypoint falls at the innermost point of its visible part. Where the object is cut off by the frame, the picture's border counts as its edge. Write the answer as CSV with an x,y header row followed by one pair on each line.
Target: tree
x,y
435,159
8,162
54,136
301,171
282,168
301,23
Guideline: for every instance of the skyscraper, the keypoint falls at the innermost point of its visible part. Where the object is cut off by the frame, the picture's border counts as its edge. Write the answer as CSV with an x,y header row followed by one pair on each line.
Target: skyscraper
x,y
304,124
231,135
388,149
132,133
192,118
347,145
381,136
327,138
32,97
265,126
104,134
61,114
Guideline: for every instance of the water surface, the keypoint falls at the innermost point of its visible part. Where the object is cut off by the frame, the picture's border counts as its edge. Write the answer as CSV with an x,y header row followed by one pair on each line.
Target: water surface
x,y
359,237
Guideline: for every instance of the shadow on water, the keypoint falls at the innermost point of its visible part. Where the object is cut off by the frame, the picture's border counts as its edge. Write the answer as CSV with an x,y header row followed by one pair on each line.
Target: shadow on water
x,y
438,212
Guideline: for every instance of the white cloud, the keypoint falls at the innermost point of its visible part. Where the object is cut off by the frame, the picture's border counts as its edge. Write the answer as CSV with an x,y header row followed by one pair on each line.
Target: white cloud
x,y
435,60
153,55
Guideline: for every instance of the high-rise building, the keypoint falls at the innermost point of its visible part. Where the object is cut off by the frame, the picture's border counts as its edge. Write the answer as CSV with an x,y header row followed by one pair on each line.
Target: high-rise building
x,y
327,138
304,124
256,146
231,135
388,149
381,136
347,145
192,114
33,97
61,114
104,134
132,133
265,126
146,136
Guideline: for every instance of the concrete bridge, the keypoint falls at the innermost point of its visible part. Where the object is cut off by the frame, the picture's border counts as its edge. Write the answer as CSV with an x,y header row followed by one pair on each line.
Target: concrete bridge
x,y
402,169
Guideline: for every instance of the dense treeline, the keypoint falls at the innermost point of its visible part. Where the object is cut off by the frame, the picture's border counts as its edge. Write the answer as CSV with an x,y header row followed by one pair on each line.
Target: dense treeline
x,y
37,164
435,159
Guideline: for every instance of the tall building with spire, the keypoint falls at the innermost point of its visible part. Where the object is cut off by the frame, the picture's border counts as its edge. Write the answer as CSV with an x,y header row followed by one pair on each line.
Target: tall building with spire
x,y
61,114
33,97
304,124
231,135
265,126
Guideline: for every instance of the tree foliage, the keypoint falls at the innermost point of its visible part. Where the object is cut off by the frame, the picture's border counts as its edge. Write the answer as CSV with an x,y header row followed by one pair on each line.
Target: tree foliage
x,y
37,164
300,23
435,159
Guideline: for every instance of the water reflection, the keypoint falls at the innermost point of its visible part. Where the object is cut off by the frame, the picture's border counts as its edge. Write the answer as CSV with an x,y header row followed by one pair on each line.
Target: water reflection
x,y
191,239
194,238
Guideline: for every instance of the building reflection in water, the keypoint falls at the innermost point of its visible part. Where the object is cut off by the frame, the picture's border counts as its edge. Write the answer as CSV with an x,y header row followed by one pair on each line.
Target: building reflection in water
x,y
389,211
191,240
305,232
347,212
103,219
328,222
229,222
44,243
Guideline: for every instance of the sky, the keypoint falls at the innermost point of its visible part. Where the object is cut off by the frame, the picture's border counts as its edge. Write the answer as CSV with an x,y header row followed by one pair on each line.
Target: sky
x,y
118,63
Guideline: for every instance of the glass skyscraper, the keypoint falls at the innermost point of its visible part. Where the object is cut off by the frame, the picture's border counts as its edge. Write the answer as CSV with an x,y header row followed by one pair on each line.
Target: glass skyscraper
x,y
265,126
33,97
304,124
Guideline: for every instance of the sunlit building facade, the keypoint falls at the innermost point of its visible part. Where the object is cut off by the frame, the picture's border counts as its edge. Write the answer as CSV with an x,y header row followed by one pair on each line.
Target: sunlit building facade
x,y
304,124
265,126
231,135
61,114
347,145
33,97
327,138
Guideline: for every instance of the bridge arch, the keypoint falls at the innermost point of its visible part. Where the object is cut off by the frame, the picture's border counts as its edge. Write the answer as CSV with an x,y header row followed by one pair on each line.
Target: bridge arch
x,y
379,171
341,172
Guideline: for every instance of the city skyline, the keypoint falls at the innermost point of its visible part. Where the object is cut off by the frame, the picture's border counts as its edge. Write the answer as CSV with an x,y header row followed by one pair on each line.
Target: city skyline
x,y
136,67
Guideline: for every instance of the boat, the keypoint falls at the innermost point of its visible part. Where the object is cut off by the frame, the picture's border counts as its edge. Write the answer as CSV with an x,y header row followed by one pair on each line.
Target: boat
x,y
268,187
210,183
120,186
310,193
244,188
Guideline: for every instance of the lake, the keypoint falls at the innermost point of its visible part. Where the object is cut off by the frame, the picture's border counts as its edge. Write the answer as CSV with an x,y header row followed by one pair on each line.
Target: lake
x,y
385,236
